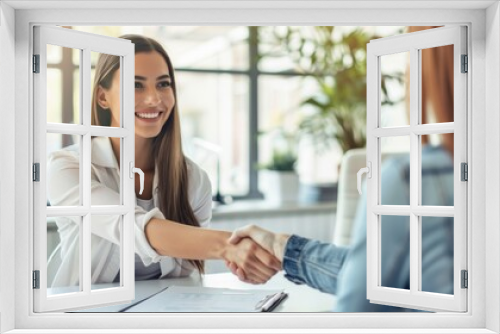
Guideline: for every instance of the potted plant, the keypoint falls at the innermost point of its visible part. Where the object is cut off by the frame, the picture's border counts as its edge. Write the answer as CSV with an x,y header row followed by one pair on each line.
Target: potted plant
x,y
335,114
336,59
277,177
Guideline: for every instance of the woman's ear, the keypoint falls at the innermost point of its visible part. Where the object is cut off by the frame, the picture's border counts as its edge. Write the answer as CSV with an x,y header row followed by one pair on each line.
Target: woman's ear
x,y
102,97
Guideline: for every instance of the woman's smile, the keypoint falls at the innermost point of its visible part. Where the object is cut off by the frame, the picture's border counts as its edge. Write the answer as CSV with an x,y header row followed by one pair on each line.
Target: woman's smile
x,y
149,116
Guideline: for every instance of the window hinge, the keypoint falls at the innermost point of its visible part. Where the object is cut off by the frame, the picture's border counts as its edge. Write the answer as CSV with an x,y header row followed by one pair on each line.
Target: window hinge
x,y
464,171
36,279
36,63
36,172
465,279
465,64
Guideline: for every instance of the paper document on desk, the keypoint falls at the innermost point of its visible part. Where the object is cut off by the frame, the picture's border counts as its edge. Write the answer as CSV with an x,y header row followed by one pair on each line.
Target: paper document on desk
x,y
201,299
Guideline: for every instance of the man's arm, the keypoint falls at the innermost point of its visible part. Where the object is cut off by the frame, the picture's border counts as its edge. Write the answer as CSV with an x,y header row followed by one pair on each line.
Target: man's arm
x,y
304,261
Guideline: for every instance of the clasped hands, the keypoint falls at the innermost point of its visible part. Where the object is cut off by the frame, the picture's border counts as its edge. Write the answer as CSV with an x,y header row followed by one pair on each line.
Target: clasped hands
x,y
260,256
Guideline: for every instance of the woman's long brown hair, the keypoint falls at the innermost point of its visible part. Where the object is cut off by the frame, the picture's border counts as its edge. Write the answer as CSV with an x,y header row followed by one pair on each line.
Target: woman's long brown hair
x,y
167,152
437,86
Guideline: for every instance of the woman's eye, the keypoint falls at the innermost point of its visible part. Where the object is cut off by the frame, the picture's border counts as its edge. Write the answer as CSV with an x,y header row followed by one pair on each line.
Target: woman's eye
x,y
164,84
138,85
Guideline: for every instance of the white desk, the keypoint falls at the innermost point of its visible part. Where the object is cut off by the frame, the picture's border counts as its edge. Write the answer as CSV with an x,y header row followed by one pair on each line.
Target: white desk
x,y
301,298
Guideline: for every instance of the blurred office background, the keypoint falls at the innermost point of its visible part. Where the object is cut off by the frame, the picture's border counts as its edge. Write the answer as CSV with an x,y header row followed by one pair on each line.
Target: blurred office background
x,y
279,108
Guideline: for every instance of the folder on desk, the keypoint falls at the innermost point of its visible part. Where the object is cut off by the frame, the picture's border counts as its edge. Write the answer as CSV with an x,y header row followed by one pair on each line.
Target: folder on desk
x,y
201,299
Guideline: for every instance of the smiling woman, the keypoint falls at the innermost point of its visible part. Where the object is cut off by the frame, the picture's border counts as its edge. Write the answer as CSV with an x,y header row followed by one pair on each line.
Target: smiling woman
x,y
154,99
177,196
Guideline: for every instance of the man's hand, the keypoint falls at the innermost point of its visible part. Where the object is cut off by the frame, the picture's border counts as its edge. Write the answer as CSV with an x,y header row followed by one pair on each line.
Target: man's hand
x,y
271,242
254,263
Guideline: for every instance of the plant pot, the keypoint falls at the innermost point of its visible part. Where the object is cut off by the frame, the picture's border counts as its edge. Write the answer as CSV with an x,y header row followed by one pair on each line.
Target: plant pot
x,y
316,193
278,186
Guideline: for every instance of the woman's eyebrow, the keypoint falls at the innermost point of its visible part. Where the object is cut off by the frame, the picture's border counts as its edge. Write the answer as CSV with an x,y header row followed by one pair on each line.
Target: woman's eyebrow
x,y
161,77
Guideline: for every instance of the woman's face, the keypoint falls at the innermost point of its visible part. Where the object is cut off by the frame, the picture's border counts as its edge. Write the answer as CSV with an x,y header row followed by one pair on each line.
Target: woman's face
x,y
154,95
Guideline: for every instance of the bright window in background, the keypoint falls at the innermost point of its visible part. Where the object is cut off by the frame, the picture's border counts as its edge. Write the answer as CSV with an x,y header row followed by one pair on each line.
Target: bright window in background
x,y
236,86
314,88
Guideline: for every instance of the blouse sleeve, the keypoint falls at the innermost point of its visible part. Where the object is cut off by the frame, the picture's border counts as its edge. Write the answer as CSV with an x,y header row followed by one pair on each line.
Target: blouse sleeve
x,y
63,190
200,193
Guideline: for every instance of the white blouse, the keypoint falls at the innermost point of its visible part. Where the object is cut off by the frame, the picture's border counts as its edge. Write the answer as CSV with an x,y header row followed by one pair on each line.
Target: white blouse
x,y
63,190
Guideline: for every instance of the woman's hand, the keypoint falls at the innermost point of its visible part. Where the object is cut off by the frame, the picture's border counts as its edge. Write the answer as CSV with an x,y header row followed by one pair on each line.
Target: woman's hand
x,y
271,242
254,263
169,238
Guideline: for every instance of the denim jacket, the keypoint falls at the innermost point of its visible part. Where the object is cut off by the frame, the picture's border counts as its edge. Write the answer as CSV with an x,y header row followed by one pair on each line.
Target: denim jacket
x,y
342,271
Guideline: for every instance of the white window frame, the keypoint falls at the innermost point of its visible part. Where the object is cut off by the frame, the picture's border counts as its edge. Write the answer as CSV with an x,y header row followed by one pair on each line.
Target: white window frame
x,y
413,43
483,246
87,43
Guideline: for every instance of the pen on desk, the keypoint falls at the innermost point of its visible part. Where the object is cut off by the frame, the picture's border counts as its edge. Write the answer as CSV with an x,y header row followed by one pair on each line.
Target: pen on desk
x,y
270,302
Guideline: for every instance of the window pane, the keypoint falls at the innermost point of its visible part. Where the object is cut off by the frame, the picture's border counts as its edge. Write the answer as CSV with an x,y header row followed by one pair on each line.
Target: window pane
x,y
282,113
395,171
67,230
437,169
106,258
63,95
395,75
437,85
206,47
437,254
105,89
54,95
76,94
395,252
105,171
63,169
54,54
280,99
214,119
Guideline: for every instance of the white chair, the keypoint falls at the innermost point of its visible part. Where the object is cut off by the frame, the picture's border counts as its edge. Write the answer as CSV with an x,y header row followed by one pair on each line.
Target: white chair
x,y
348,196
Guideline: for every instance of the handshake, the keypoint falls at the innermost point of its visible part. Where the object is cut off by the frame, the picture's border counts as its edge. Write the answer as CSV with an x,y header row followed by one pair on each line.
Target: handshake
x,y
258,254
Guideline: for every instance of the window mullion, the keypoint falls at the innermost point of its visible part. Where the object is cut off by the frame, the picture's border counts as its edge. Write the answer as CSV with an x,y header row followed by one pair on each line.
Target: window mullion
x,y
253,40
85,107
67,84
415,242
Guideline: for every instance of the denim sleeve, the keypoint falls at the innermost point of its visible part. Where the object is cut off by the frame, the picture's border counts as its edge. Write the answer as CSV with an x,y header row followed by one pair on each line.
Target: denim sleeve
x,y
313,263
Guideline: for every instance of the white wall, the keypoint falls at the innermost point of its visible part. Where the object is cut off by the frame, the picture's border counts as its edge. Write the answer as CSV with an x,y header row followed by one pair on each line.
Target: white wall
x,y
492,164
7,159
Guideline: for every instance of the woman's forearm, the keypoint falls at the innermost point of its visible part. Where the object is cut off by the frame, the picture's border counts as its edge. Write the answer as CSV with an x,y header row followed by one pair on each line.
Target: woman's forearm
x,y
169,238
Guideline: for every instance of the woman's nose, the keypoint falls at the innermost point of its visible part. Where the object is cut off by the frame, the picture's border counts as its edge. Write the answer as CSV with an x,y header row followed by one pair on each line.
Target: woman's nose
x,y
152,97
